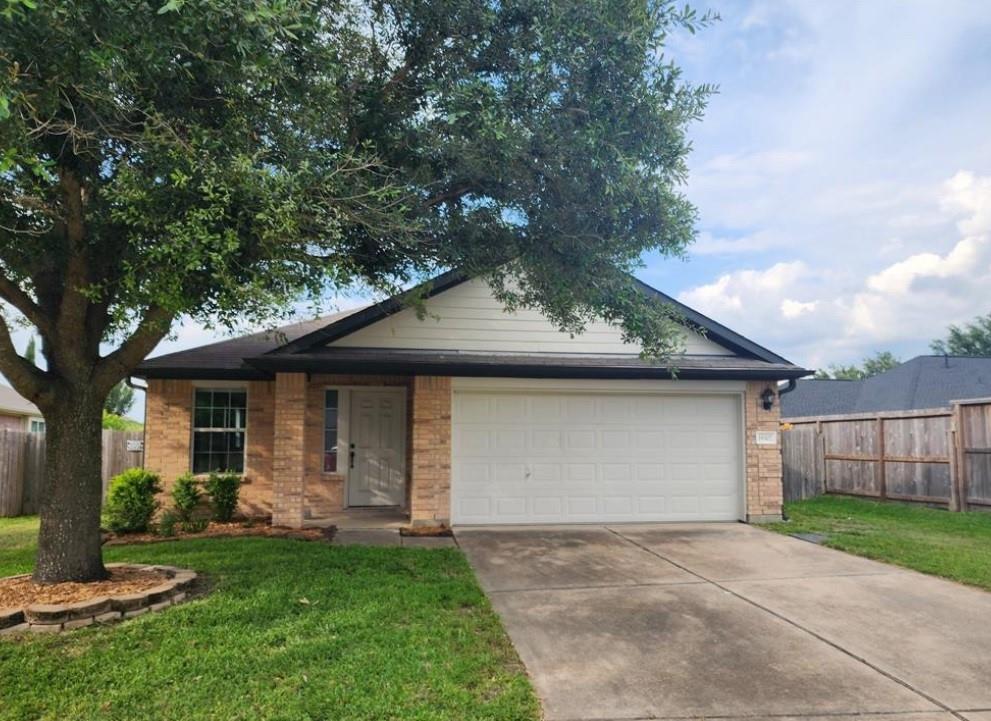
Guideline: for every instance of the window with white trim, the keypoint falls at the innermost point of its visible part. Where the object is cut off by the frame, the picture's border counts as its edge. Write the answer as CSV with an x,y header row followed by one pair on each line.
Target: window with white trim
x,y
37,426
330,415
219,424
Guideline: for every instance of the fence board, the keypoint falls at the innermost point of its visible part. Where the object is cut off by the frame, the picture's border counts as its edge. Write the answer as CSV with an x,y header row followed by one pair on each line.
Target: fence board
x,y
22,466
11,471
929,456
976,439
798,460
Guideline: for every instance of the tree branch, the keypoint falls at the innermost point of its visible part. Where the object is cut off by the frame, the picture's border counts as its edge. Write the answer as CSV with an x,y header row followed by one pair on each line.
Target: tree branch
x,y
71,321
27,379
452,194
153,327
15,295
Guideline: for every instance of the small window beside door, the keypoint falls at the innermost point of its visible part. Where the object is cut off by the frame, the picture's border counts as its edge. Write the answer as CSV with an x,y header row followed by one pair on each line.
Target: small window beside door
x,y
330,414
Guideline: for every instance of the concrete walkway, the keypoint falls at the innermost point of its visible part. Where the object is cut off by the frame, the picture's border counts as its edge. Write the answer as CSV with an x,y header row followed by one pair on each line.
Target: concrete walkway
x,y
729,621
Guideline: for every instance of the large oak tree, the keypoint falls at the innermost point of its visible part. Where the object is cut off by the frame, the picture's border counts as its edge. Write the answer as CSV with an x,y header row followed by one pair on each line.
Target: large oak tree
x,y
218,159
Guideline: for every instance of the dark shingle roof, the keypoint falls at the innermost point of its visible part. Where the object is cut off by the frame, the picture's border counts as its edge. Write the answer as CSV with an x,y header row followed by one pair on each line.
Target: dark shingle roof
x,y
923,382
226,358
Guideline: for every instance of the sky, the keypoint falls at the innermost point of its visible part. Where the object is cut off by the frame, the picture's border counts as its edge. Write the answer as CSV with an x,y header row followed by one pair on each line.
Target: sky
x,y
842,176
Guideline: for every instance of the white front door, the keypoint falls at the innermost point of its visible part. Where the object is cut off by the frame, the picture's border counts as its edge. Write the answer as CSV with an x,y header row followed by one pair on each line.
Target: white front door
x,y
574,457
377,447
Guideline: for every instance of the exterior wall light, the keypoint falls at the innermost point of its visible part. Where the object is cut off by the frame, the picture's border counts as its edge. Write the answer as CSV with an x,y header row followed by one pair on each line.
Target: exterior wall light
x,y
767,399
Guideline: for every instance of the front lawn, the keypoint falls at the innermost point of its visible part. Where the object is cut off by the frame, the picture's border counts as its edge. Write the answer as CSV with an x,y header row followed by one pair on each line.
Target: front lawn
x,y
952,545
291,630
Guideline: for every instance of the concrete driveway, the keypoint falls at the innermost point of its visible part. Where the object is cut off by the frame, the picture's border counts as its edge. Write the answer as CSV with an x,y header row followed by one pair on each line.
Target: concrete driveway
x,y
729,621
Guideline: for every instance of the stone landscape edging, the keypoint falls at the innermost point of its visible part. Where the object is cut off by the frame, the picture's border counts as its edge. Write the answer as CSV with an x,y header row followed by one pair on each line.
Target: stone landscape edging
x,y
58,617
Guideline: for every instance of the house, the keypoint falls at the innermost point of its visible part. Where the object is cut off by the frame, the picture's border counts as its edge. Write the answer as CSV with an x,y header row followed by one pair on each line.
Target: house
x,y
926,381
472,415
19,414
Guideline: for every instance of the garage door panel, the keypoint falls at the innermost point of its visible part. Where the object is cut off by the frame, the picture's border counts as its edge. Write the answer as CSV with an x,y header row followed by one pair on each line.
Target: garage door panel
x,y
586,457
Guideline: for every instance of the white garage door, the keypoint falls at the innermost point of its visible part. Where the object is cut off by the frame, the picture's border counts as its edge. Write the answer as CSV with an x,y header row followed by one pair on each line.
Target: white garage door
x,y
577,457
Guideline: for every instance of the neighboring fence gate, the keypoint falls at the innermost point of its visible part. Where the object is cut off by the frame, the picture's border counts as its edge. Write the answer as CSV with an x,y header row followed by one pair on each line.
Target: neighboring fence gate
x,y
22,465
941,456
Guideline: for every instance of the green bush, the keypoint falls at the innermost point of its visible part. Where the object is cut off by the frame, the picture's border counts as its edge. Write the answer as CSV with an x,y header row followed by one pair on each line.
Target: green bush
x,y
195,526
167,523
186,496
223,489
131,501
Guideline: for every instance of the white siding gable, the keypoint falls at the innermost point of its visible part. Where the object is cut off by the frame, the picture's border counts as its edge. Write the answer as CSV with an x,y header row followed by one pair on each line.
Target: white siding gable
x,y
468,317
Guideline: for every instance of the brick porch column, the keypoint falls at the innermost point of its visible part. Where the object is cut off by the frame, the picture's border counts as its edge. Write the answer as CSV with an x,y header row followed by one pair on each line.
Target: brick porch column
x,y
287,453
764,489
430,470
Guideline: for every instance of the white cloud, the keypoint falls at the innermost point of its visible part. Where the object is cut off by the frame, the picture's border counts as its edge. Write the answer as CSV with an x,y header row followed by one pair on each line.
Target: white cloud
x,y
832,313
792,309
969,195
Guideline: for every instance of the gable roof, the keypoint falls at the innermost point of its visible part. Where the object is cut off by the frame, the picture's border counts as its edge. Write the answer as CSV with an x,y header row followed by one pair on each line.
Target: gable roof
x,y
929,381
304,347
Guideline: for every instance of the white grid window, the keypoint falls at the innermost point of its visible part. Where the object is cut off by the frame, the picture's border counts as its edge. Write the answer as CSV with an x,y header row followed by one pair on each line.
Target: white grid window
x,y
219,424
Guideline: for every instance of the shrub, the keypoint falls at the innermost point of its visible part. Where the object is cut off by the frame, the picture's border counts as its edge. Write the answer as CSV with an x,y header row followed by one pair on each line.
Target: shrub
x,y
223,489
186,496
195,526
131,501
166,525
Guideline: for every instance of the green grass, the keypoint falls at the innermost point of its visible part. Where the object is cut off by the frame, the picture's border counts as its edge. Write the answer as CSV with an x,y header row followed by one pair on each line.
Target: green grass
x,y
953,545
291,630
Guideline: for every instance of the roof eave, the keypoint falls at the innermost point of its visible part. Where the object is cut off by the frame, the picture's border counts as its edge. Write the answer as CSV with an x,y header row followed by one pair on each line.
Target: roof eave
x,y
205,374
514,370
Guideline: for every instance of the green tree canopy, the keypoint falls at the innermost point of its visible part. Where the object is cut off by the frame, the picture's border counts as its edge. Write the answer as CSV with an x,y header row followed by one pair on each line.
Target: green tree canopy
x,y
972,339
218,159
871,366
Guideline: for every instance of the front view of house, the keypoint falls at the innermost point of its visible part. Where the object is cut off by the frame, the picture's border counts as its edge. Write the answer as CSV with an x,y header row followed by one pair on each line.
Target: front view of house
x,y
471,415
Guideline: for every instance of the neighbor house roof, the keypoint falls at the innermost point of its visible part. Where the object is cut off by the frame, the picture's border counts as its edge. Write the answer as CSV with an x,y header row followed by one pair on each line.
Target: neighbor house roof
x,y
303,347
929,381
13,403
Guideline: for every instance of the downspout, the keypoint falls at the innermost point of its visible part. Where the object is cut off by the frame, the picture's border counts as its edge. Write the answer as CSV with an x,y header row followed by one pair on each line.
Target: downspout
x,y
792,384
144,421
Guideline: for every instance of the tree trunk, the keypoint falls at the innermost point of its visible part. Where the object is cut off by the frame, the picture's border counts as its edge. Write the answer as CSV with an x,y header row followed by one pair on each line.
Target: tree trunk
x,y
69,544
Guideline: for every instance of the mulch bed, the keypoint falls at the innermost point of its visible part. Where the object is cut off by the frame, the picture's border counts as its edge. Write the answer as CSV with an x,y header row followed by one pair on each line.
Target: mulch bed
x,y
234,529
20,591
426,531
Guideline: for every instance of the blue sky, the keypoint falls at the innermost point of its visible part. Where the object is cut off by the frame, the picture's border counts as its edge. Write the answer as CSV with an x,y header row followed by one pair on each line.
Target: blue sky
x,y
842,176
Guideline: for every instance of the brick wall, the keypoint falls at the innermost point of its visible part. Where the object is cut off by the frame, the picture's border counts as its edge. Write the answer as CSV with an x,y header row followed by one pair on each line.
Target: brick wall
x,y
764,489
168,435
430,451
288,450
256,491
168,428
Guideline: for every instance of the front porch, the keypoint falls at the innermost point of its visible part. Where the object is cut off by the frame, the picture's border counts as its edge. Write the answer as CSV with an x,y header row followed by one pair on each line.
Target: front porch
x,y
361,451
362,519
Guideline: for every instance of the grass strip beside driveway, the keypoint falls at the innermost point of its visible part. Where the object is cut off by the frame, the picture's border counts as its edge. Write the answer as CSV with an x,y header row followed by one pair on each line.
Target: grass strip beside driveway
x,y
291,630
952,545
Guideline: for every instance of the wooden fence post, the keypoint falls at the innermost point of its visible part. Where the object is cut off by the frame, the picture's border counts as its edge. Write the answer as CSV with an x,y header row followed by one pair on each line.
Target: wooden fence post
x,y
820,450
882,476
958,479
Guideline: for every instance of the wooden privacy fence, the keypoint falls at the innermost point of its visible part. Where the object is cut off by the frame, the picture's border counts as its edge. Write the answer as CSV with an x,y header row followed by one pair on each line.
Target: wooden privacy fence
x,y
22,465
941,455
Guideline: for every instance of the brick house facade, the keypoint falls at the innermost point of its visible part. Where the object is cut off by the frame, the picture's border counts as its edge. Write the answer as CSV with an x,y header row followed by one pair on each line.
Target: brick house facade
x,y
283,417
